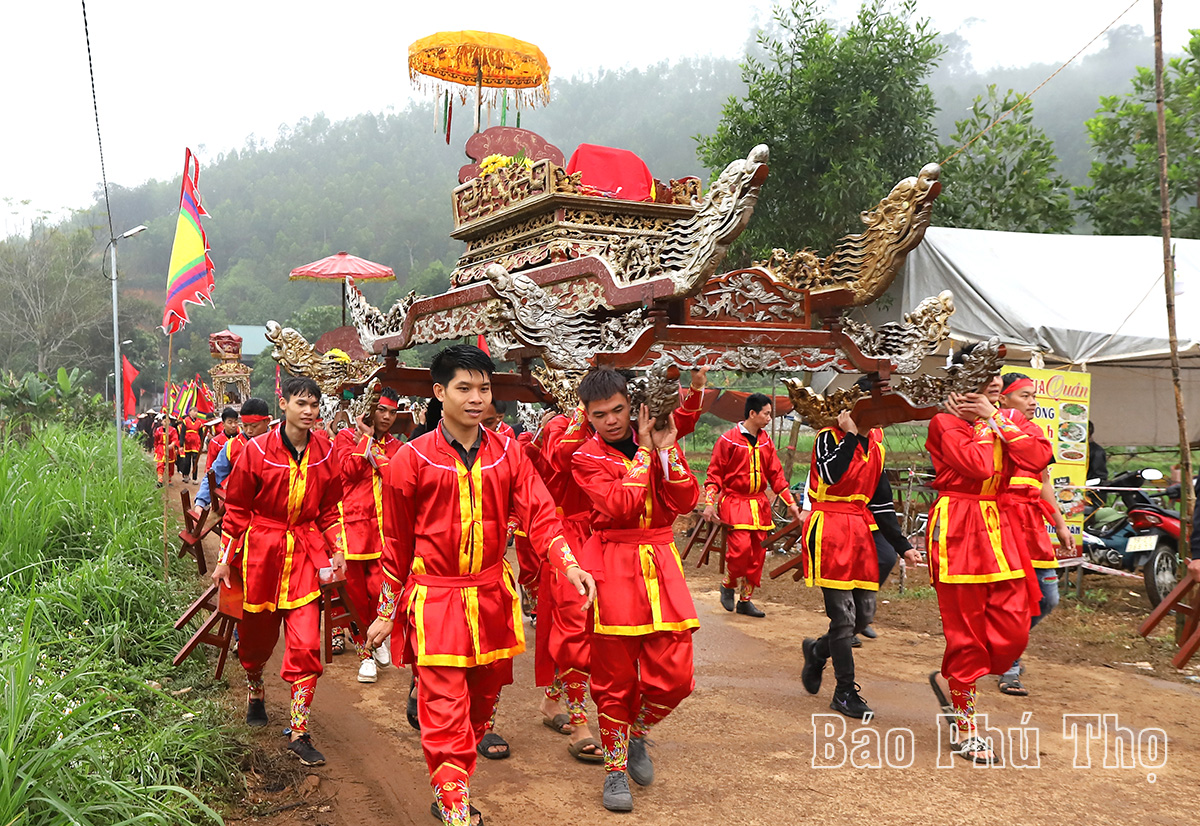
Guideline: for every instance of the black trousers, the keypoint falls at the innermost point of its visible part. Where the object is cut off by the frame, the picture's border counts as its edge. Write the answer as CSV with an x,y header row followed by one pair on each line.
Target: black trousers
x,y
849,612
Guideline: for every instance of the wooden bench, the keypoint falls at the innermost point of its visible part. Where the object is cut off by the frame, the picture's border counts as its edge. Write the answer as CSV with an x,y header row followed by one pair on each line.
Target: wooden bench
x,y
1190,638
714,536
338,611
225,605
196,525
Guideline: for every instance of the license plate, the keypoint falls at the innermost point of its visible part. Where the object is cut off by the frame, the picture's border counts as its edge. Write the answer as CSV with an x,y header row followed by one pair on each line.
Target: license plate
x,y
1137,544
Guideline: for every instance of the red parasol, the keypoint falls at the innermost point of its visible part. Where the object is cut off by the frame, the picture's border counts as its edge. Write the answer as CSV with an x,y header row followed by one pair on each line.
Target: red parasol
x,y
336,267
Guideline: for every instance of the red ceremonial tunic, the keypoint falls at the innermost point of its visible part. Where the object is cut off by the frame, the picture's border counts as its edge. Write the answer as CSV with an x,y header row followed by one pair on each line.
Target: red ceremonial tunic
x,y
640,586
839,549
738,477
215,444
445,529
362,489
282,520
970,538
1021,492
191,435
172,447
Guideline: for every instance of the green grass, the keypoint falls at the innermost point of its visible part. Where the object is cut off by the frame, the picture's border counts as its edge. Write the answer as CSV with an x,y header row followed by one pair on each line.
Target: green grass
x,y
85,628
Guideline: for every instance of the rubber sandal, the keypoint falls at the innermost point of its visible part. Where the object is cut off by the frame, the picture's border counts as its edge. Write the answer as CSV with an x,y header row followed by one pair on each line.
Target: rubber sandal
x,y
437,812
577,750
942,699
560,723
1011,685
338,643
410,710
489,741
973,748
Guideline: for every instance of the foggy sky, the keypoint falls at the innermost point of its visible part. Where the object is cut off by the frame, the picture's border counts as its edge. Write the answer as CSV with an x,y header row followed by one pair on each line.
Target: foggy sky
x,y
207,74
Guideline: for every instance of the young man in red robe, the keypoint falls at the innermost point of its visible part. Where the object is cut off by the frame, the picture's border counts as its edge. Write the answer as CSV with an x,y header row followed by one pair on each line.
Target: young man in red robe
x,y
845,480
166,449
448,497
979,571
564,638
282,526
744,464
1027,496
364,452
643,619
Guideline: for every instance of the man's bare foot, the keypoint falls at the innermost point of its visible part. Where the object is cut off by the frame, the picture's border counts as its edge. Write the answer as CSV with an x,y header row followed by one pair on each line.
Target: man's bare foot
x,y
554,715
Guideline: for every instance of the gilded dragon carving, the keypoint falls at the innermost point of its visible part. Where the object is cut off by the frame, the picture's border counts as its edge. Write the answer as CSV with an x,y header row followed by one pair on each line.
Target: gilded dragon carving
x,y
331,371
906,343
819,410
978,367
866,263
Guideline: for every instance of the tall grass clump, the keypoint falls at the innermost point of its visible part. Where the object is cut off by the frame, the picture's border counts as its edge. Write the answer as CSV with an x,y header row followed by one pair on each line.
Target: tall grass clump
x,y
95,726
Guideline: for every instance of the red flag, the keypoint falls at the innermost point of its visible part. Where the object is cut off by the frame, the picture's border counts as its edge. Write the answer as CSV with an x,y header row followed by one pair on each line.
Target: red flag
x,y
481,343
205,402
128,374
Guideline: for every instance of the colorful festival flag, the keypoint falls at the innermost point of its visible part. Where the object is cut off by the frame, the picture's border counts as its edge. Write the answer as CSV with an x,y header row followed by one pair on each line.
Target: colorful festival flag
x,y
190,276
206,400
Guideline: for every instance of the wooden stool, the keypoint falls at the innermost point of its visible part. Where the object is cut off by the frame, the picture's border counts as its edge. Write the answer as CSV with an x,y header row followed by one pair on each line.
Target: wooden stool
x,y
196,527
714,539
226,607
1190,639
789,535
338,611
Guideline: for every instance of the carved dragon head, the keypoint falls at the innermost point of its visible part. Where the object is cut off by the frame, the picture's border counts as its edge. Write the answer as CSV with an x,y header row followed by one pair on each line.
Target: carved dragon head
x,y
695,246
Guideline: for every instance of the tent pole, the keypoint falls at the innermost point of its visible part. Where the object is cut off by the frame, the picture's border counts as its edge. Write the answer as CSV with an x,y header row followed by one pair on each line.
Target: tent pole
x,y
478,95
1187,493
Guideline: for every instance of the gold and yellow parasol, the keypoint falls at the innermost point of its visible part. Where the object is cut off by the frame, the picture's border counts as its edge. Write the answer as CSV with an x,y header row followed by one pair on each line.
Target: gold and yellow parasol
x,y
484,60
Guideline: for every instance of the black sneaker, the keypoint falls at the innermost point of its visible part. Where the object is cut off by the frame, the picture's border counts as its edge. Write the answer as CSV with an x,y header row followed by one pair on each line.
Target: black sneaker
x,y
256,713
810,674
869,632
639,765
849,702
748,608
855,642
617,797
727,598
302,747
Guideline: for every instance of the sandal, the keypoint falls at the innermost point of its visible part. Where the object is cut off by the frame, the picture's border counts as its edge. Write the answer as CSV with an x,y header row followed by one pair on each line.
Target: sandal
x,y
942,699
577,750
410,710
436,811
560,723
338,643
1011,685
490,741
975,748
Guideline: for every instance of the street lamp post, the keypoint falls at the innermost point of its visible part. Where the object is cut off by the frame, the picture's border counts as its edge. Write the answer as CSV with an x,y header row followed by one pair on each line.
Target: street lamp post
x,y
119,406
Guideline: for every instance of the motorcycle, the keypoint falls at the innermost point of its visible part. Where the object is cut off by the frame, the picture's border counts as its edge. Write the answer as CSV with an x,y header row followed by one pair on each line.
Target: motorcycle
x,y
1145,536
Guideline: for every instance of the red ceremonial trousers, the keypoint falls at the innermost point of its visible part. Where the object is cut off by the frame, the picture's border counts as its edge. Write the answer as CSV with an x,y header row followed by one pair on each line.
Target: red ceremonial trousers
x,y
282,520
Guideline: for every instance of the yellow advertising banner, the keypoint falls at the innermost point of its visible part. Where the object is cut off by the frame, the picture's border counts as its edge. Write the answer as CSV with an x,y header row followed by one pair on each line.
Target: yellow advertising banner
x,y
1063,400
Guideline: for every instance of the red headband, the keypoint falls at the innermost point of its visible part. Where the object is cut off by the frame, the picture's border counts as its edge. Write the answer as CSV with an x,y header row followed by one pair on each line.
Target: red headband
x,y
251,418
1019,384
391,404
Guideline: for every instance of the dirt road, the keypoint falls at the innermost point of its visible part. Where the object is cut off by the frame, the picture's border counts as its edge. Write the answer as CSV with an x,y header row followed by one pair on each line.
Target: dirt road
x,y
742,748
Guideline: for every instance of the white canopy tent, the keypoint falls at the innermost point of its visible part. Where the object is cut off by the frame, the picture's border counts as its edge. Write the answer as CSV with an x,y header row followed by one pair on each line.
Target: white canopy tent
x,y
1081,302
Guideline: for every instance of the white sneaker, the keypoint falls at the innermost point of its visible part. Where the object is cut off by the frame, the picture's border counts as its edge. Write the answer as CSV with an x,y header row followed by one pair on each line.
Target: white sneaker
x,y
367,672
383,654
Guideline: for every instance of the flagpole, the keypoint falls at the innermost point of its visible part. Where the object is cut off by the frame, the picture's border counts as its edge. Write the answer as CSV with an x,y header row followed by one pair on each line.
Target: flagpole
x,y
167,456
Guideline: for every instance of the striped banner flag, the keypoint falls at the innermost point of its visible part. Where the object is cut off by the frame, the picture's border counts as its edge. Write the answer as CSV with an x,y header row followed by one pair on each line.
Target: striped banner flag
x,y
190,277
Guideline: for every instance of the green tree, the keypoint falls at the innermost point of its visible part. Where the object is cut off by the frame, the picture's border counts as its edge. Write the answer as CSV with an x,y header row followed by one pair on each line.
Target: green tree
x,y
1123,197
52,296
1006,179
845,115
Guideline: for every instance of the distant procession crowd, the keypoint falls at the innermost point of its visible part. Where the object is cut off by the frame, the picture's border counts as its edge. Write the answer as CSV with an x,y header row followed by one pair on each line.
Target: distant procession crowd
x,y
419,527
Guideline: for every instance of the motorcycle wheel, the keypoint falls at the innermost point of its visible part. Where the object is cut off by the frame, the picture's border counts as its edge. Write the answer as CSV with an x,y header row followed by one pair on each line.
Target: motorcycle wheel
x,y
1161,572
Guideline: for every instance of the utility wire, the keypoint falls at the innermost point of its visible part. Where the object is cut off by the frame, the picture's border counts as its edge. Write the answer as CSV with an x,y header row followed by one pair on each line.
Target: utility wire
x,y
99,141
1053,74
